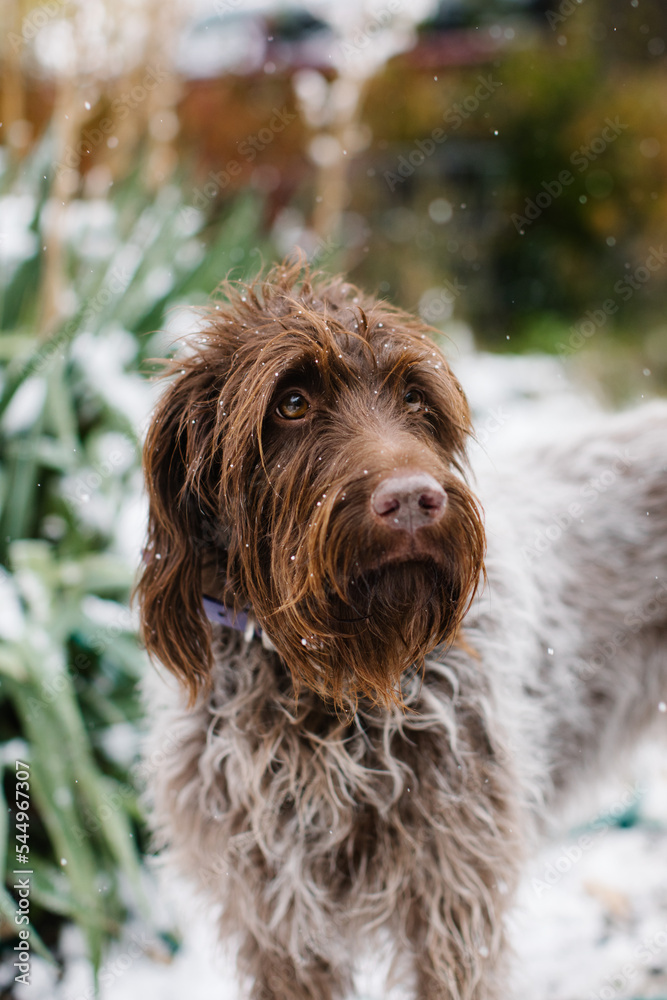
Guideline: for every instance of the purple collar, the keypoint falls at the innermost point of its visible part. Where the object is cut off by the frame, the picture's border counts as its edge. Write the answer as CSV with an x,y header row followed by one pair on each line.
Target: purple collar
x,y
219,614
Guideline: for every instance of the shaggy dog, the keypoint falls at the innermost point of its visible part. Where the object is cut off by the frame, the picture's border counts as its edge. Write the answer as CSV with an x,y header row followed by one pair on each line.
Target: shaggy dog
x,y
376,715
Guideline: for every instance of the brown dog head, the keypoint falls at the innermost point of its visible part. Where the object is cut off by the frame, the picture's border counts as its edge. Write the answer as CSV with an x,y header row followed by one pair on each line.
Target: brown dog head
x,y
307,461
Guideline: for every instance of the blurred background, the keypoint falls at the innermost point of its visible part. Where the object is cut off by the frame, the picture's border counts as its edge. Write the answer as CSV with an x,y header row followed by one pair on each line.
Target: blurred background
x,y
499,166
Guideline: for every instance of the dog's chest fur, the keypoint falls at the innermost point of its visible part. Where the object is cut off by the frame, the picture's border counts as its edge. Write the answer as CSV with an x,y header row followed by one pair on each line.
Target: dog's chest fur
x,y
292,810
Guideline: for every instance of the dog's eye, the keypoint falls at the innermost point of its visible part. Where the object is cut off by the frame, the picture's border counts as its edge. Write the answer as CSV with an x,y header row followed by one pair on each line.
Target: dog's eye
x,y
293,406
414,400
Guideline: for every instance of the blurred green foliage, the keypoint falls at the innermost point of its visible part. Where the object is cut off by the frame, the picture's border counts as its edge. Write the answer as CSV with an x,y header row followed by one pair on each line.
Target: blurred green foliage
x,y
555,92
70,523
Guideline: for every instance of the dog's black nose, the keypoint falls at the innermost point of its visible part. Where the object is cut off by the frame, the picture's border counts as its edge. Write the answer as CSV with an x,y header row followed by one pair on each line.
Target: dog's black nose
x,y
408,502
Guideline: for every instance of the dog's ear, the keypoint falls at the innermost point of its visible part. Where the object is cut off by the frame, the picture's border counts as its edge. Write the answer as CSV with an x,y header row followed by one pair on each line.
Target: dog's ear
x,y
181,525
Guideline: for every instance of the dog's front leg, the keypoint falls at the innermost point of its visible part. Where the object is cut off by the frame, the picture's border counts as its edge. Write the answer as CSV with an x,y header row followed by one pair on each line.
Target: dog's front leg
x,y
458,953
278,977
460,983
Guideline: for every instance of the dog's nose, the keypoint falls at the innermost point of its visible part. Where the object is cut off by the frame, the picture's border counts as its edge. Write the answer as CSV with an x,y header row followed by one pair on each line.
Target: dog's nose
x,y
408,502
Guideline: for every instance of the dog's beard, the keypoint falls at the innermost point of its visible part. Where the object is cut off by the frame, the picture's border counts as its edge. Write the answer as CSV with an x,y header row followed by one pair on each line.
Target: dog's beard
x,y
393,617
350,633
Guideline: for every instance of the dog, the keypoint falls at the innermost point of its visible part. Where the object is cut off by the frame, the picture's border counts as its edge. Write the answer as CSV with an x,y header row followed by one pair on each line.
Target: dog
x,y
388,683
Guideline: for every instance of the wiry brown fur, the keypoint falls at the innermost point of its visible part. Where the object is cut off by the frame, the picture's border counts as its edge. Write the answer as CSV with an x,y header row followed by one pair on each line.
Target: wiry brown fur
x,y
278,512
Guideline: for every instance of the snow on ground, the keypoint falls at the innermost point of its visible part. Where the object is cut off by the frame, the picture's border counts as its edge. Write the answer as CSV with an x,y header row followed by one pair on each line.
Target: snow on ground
x,y
591,917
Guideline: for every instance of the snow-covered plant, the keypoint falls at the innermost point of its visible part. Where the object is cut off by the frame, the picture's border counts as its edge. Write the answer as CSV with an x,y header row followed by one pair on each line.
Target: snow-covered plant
x,y
72,408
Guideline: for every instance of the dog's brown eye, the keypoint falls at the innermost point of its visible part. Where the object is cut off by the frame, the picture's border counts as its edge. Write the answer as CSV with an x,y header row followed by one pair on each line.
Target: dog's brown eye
x,y
293,406
414,400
